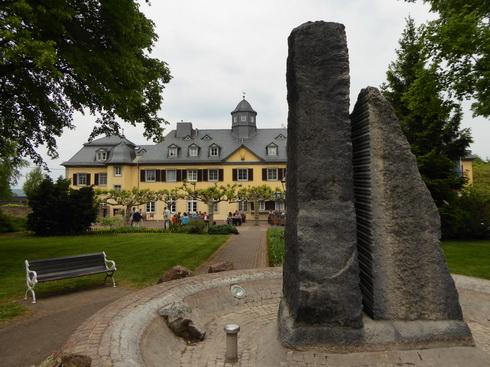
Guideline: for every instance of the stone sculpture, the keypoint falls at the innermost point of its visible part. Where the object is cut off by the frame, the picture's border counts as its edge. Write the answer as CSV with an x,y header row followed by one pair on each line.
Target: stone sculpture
x,y
363,231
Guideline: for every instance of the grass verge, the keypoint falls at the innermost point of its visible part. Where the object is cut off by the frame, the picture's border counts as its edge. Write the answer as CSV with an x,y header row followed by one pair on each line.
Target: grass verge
x,y
140,260
470,258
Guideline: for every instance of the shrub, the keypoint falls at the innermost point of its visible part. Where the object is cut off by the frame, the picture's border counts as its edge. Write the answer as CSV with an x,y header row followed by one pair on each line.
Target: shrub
x,y
275,245
115,221
10,223
195,226
222,229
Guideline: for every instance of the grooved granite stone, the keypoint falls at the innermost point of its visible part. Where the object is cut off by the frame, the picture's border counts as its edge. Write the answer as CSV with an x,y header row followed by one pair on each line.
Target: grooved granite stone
x,y
321,274
403,269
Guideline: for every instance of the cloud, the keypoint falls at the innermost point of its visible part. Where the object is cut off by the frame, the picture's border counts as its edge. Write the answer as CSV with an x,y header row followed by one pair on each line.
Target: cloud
x,y
218,49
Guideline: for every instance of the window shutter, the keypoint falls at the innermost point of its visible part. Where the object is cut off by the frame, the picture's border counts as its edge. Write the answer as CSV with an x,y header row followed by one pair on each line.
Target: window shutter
x,y
205,175
250,174
264,174
221,174
270,205
280,173
199,175
75,182
235,174
184,174
96,179
88,179
157,175
163,175
179,175
142,175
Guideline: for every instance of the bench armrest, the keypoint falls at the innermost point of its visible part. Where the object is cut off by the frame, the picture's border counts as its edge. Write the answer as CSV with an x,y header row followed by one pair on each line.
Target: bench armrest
x,y
31,275
109,262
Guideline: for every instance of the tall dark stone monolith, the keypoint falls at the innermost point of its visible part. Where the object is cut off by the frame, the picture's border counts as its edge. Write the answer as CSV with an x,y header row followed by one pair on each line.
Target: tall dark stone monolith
x,y
322,298
404,271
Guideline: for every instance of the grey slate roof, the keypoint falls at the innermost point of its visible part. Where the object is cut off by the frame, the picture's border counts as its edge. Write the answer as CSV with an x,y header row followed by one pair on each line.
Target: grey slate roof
x,y
227,142
122,151
119,151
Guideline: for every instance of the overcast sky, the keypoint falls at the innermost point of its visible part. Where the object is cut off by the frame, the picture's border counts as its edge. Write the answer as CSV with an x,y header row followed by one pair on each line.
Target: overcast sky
x,y
219,49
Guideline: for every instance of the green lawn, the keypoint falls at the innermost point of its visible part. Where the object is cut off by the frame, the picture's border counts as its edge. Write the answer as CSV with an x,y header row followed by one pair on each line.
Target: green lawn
x,y
140,258
471,258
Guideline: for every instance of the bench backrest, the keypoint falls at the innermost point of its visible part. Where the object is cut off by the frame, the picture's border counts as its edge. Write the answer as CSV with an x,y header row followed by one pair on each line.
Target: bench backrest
x,y
60,264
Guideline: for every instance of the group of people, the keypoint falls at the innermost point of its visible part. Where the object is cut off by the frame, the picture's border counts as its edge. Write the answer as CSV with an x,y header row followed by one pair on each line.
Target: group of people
x,y
183,219
136,217
277,218
235,218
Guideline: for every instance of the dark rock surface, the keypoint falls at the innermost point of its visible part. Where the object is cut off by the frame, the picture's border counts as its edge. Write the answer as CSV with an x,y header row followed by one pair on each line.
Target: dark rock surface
x,y
221,266
405,275
321,274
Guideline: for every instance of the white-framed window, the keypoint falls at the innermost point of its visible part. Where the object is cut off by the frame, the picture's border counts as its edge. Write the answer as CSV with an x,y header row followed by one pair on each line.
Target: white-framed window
x,y
118,171
192,175
150,175
261,206
82,179
101,156
191,205
280,205
213,174
216,208
252,119
272,150
235,119
242,174
272,174
150,207
173,151
117,187
102,179
243,118
171,175
243,206
172,206
214,151
193,151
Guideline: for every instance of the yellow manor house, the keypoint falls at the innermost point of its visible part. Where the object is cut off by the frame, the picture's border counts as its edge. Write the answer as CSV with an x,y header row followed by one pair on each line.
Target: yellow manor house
x,y
243,154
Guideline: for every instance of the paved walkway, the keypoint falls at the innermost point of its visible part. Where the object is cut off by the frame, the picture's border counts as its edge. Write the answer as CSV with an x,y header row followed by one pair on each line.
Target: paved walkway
x,y
29,340
58,317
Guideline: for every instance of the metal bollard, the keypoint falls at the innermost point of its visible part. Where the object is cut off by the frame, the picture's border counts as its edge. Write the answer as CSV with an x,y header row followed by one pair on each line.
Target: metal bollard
x,y
231,342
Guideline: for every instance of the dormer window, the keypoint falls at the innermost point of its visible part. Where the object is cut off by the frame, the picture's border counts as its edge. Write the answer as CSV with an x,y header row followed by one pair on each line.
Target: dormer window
x,y
213,151
272,150
101,155
243,118
173,151
193,151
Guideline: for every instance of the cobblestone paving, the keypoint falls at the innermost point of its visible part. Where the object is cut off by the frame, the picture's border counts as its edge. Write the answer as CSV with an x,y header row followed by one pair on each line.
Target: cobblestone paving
x,y
114,335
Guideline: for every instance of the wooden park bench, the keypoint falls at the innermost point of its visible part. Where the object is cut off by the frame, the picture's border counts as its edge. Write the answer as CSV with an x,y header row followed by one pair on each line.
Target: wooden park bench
x,y
46,270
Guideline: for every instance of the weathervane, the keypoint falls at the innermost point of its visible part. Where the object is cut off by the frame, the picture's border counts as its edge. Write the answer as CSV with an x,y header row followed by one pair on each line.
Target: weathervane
x,y
243,95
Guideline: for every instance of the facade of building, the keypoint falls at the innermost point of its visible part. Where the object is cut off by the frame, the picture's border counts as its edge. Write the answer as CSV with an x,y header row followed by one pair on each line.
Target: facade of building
x,y
243,154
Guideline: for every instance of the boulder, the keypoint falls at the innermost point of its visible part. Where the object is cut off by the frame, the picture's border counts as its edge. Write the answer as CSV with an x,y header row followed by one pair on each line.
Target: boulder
x,y
221,266
59,359
177,272
183,322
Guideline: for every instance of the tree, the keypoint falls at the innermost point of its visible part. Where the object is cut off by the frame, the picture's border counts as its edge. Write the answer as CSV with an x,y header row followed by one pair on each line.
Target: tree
x,y
256,195
58,209
481,176
33,180
459,41
10,165
431,124
211,195
58,57
127,198
169,197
